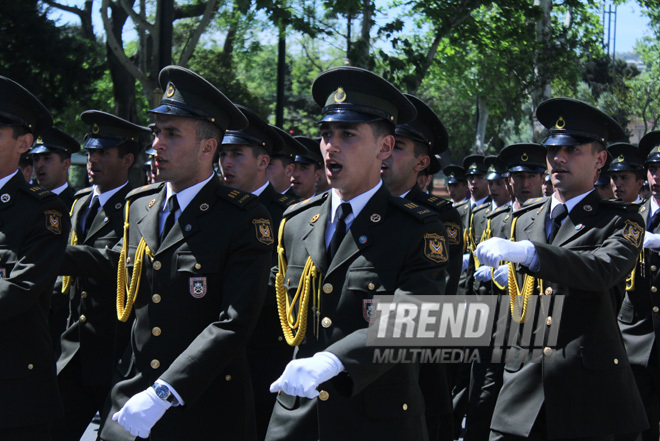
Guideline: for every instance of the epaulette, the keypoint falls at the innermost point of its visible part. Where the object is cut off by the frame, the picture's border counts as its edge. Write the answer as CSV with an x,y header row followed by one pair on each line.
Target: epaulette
x,y
461,204
83,191
436,202
529,205
302,205
619,204
499,210
237,197
481,207
38,192
418,211
284,200
145,190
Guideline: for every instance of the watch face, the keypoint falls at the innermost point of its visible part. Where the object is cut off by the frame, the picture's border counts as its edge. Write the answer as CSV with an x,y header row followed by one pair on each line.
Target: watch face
x,y
162,391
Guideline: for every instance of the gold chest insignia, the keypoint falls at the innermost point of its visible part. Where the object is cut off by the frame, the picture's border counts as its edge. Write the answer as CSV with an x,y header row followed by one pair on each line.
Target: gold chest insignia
x,y
633,233
264,231
452,233
435,248
53,221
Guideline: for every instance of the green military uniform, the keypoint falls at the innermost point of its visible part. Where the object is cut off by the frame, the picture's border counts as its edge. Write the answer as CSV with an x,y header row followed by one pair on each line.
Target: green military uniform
x,y
34,229
89,355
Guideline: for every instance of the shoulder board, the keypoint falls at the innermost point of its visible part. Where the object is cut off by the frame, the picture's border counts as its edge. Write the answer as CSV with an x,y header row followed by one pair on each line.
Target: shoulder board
x,y
619,204
284,200
481,207
534,201
302,205
460,204
83,191
237,197
530,204
145,190
418,211
435,201
38,192
500,210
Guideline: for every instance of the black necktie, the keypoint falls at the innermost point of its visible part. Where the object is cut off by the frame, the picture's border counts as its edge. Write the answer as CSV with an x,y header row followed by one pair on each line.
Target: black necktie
x,y
91,214
654,221
172,206
559,213
340,230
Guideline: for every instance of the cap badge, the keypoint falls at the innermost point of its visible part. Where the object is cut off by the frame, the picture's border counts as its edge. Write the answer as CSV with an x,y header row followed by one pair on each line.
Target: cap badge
x,y
170,90
451,175
524,157
491,168
40,140
95,128
473,166
620,158
560,124
340,95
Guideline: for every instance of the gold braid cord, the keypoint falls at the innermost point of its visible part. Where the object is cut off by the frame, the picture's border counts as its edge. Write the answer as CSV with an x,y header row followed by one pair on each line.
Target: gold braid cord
x,y
484,237
514,291
630,280
309,283
66,280
124,303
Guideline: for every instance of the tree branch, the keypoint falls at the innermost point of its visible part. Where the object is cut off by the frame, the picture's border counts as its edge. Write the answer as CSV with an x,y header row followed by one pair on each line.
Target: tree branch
x,y
191,44
137,19
72,9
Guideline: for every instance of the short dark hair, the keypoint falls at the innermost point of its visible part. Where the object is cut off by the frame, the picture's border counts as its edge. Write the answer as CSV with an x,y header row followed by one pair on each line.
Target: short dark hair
x,y
19,131
382,128
258,150
206,130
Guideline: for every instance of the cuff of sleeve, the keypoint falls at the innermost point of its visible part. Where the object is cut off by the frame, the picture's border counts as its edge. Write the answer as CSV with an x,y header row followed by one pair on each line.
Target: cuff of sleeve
x,y
179,401
332,358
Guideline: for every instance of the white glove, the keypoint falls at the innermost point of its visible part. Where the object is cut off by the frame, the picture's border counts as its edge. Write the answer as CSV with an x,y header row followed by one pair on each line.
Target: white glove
x,y
302,377
141,412
466,261
651,240
492,251
502,275
482,273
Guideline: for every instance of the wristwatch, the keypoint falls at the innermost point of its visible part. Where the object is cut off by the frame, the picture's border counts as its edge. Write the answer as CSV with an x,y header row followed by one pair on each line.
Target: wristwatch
x,y
164,393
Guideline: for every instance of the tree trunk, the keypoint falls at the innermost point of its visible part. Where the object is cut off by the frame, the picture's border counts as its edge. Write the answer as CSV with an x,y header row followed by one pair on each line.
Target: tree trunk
x,y
481,121
542,91
123,83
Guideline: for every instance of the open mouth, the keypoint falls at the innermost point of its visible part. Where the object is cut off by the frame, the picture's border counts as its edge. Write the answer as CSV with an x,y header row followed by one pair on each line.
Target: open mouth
x,y
333,167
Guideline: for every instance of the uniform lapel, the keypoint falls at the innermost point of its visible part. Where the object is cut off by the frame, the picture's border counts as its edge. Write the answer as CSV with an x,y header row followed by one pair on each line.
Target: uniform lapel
x,y
535,228
314,238
579,219
8,193
148,225
115,203
80,210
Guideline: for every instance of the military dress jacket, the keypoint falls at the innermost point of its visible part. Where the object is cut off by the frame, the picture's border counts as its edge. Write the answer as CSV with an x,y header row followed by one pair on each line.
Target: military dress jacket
x,y
198,301
34,227
386,251
585,380
639,317
93,326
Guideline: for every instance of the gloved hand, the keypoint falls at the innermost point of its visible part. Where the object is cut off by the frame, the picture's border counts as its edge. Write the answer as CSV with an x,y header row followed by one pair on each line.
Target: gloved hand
x,y
301,377
501,275
493,250
141,412
651,240
482,273
466,261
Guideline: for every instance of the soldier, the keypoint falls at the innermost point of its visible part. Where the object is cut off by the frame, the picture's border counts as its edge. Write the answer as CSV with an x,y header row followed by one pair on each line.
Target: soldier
x,y
51,158
638,318
456,184
376,245
566,389
193,259
25,166
244,157
547,186
416,143
281,166
86,364
627,171
603,185
35,226
309,169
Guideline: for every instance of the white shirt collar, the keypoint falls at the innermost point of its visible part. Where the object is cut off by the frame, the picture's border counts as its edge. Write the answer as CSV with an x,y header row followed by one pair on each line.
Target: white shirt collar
x,y
479,202
571,203
495,206
261,189
6,179
654,207
104,197
60,189
357,203
184,196
405,194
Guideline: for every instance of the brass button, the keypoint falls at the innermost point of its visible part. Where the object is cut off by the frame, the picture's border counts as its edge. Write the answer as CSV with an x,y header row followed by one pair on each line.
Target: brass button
x,y
405,406
324,395
327,288
157,265
155,298
83,294
654,268
548,321
326,322
280,338
128,259
83,319
156,331
548,291
198,266
616,361
656,309
30,366
547,351
371,286
120,361
654,289
155,364
227,377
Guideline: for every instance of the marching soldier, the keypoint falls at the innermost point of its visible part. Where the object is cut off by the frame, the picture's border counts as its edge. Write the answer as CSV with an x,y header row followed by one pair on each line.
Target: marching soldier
x,y
639,318
309,169
88,357
192,265
281,166
341,248
627,171
35,227
565,388
456,184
